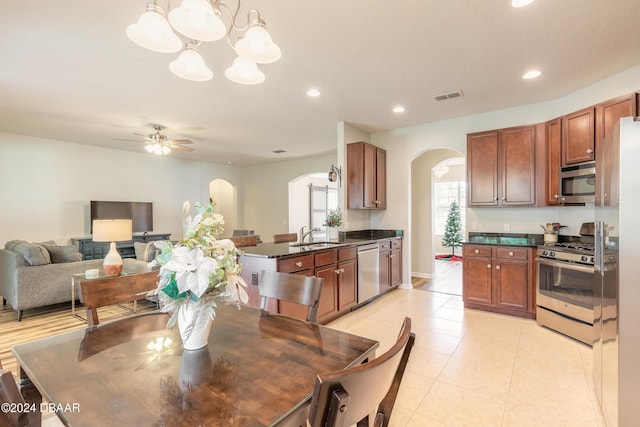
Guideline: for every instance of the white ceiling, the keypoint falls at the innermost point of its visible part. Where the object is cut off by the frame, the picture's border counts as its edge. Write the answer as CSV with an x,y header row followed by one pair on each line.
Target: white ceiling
x,y
69,72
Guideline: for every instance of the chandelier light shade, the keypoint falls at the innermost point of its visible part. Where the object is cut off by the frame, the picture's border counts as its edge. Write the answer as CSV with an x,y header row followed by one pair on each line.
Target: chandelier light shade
x,y
197,20
112,230
257,46
153,32
201,21
245,72
190,65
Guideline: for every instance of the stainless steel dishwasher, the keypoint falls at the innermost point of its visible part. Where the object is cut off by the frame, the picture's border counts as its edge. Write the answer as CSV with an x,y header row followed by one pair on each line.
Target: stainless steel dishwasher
x,y
368,272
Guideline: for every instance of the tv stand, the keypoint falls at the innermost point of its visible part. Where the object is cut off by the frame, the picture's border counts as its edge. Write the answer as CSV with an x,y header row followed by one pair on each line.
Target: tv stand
x,y
98,250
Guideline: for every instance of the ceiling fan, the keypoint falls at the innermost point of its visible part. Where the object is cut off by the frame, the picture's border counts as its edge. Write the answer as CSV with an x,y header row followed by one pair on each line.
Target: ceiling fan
x,y
157,143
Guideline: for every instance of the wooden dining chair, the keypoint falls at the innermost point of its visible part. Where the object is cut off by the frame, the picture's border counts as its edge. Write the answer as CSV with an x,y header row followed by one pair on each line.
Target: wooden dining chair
x,y
96,293
282,238
10,394
244,241
353,396
296,288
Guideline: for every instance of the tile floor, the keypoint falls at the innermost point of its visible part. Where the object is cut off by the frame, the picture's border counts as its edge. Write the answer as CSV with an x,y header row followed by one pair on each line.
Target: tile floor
x,y
475,368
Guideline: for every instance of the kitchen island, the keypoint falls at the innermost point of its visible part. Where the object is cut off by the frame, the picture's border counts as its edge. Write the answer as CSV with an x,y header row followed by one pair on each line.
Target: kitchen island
x,y
335,261
499,274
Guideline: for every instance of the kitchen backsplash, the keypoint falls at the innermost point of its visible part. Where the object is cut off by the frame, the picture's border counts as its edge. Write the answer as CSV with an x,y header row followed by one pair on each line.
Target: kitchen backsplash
x,y
528,220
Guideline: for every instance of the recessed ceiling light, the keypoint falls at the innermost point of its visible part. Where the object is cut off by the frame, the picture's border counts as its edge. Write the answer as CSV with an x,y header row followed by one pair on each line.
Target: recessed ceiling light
x,y
531,74
398,109
313,92
521,3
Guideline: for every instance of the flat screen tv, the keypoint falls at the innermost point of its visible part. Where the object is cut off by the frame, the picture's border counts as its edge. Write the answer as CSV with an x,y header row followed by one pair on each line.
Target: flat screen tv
x,y
140,213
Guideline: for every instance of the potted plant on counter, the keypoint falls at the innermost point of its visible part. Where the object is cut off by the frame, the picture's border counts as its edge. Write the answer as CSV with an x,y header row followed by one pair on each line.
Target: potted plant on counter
x,y
333,221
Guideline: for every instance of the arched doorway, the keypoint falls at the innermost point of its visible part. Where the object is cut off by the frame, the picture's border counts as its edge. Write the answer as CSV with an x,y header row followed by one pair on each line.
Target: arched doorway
x,y
224,194
422,217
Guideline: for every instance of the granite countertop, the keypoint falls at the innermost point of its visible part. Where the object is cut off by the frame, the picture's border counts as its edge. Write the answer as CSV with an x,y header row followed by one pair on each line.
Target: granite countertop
x,y
505,239
347,238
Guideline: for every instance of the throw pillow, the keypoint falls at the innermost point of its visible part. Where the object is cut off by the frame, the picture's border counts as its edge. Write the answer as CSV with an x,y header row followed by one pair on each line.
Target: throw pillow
x,y
33,253
145,251
61,254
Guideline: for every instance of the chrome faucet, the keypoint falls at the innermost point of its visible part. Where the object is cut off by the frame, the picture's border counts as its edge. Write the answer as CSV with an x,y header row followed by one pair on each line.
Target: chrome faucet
x,y
304,235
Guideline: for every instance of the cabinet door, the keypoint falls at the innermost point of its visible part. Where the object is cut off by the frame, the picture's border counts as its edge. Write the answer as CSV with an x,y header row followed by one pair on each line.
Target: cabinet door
x,y
328,306
384,283
578,137
608,114
381,178
395,267
482,169
369,175
347,283
476,273
511,284
517,166
553,161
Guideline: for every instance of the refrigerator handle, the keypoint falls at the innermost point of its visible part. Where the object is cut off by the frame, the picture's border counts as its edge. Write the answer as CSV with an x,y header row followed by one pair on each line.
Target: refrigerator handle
x,y
599,247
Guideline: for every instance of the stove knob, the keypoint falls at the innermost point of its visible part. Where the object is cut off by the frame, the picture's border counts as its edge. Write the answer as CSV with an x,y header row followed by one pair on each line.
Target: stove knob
x,y
583,258
553,254
591,260
545,253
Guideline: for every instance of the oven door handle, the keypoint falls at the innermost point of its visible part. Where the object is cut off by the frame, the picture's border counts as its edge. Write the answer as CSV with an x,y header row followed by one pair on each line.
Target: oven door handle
x,y
567,265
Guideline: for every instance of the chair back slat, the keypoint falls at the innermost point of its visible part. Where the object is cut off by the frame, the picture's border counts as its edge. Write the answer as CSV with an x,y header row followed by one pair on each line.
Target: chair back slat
x,y
244,241
296,288
108,291
351,396
282,238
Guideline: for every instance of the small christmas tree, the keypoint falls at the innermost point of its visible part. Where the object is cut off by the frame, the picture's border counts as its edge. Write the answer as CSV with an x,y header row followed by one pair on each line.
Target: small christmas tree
x,y
453,233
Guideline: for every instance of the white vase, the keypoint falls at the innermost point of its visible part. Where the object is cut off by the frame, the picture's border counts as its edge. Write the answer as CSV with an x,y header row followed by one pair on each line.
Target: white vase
x,y
332,233
194,324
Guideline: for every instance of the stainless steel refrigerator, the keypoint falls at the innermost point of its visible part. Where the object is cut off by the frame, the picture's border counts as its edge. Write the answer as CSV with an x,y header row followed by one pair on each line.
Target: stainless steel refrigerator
x,y
616,349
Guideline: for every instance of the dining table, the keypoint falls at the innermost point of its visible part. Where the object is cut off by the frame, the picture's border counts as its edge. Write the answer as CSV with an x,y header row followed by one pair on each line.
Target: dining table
x,y
258,369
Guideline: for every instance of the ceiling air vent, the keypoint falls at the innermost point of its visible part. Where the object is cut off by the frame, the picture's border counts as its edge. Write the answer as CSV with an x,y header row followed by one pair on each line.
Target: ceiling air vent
x,y
446,96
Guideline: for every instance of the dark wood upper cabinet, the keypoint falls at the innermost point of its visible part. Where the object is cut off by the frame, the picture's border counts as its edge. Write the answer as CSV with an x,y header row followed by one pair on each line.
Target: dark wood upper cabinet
x,y
501,167
578,137
608,114
553,145
367,176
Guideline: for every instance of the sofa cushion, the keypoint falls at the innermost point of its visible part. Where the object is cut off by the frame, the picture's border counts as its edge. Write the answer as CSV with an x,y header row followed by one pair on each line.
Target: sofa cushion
x,y
61,254
33,253
145,251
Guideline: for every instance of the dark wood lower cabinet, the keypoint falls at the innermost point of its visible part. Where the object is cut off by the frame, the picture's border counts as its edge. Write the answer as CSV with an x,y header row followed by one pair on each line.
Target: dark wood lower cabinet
x,y
499,279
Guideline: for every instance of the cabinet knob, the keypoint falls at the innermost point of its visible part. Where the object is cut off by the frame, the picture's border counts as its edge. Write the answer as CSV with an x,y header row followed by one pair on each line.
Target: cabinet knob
x,y
299,264
510,253
504,198
488,265
589,151
476,251
342,270
556,196
497,267
337,271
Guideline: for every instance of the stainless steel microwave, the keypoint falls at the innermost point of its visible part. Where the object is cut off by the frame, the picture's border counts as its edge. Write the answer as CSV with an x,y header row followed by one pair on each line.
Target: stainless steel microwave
x,y
578,183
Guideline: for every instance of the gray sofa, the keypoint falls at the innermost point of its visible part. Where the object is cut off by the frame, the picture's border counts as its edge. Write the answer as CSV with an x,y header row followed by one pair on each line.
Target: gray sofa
x,y
35,275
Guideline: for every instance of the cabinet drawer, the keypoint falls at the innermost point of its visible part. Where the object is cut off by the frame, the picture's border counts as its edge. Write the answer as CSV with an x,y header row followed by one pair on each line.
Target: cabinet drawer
x,y
324,258
511,253
396,244
289,265
347,253
384,246
476,251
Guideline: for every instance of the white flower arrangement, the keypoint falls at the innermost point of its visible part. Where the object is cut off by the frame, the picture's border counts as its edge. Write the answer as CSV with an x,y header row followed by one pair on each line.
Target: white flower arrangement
x,y
199,269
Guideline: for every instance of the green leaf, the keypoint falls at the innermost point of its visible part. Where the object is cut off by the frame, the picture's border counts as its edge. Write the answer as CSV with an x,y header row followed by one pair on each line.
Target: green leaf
x,y
172,290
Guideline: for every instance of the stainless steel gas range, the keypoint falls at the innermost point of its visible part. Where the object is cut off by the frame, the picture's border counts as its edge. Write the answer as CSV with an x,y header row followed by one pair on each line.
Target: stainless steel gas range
x,y
565,286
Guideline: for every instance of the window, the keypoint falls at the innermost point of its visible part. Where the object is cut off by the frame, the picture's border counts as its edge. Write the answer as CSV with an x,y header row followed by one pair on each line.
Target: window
x,y
446,192
323,199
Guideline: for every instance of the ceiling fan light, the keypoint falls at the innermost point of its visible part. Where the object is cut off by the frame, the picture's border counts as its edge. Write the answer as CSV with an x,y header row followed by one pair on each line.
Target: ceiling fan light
x,y
190,65
153,32
244,71
165,150
149,148
257,46
197,20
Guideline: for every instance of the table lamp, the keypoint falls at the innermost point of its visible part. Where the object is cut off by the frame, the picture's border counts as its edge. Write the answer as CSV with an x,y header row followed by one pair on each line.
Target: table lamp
x,y
112,230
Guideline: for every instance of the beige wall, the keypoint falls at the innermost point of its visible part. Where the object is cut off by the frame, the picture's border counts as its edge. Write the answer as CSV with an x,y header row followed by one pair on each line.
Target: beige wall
x,y
265,193
46,186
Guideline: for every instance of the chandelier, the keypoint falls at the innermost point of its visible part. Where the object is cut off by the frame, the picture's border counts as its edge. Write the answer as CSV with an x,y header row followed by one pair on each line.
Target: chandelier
x,y
440,170
201,21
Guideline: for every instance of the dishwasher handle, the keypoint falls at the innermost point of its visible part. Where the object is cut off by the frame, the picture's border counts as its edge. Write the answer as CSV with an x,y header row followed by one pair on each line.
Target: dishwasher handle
x,y
367,248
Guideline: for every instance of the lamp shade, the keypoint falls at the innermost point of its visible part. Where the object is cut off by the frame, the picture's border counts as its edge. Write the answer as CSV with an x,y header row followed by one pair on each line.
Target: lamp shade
x,y
190,65
197,20
257,46
245,72
112,230
153,32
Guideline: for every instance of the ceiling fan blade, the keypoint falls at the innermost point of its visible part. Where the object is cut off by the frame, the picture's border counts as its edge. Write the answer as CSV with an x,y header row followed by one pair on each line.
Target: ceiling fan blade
x,y
130,140
180,141
180,147
142,135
